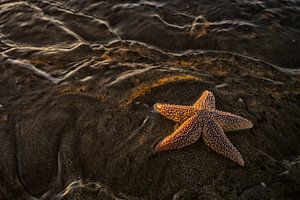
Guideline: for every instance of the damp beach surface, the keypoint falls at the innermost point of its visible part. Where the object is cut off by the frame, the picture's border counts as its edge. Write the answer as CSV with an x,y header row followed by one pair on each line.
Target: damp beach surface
x,y
78,81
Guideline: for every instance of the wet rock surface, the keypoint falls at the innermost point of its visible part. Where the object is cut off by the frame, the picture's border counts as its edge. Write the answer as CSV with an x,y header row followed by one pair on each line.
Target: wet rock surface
x,y
102,131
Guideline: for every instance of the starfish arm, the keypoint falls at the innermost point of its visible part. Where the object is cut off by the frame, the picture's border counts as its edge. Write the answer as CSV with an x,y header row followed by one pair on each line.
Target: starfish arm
x,y
186,134
173,112
206,101
230,122
214,137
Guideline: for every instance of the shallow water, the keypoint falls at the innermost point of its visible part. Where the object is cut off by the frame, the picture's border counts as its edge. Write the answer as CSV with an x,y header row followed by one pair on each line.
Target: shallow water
x,y
268,30
265,30
47,45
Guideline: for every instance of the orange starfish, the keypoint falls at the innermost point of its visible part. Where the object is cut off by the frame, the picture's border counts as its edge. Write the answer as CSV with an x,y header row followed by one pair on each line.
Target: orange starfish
x,y
202,119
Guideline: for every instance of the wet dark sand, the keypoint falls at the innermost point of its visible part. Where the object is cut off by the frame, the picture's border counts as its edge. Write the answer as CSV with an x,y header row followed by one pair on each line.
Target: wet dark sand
x,y
103,130
78,81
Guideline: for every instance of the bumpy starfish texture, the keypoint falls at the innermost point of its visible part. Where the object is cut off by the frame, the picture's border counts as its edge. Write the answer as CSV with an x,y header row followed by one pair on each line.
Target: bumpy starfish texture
x,y
202,120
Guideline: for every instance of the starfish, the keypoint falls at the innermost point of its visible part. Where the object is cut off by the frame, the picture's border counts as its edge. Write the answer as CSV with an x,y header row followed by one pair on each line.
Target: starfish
x,y
202,119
